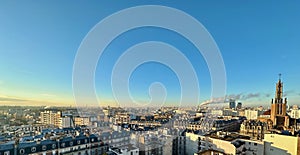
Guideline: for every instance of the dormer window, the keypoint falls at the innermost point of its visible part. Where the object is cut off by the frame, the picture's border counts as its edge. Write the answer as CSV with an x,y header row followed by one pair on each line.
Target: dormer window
x,y
33,149
44,147
22,151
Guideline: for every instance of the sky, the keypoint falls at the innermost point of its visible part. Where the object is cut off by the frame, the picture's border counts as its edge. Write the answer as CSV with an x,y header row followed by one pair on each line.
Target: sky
x,y
39,41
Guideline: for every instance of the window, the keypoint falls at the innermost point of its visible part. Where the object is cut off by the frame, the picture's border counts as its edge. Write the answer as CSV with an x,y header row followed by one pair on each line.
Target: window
x,y
255,144
6,153
33,149
71,143
63,145
78,141
53,146
22,151
44,147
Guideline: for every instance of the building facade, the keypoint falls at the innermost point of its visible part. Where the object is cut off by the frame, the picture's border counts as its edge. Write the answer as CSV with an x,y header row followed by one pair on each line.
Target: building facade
x,y
281,144
80,145
251,114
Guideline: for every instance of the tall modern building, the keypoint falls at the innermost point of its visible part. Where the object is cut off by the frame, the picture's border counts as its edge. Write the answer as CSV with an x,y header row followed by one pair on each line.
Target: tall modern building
x,y
239,105
232,104
278,107
51,117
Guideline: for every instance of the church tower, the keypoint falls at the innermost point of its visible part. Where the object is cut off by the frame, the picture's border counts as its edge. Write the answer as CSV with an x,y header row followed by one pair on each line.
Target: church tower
x,y
278,107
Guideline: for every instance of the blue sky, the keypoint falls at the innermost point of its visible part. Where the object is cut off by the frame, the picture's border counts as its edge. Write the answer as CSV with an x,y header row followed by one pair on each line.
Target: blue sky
x,y
39,41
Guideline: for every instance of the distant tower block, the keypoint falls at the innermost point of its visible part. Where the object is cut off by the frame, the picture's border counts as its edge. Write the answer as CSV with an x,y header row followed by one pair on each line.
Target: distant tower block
x,y
239,105
232,104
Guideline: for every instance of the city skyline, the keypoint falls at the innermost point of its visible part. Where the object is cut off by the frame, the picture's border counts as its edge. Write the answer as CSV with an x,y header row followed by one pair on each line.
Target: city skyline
x,y
39,41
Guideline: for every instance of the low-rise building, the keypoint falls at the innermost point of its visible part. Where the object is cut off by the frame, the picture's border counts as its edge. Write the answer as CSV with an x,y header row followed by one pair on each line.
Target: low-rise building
x,y
295,113
215,124
216,112
66,122
78,145
251,114
125,150
249,147
116,138
198,143
222,143
80,121
255,128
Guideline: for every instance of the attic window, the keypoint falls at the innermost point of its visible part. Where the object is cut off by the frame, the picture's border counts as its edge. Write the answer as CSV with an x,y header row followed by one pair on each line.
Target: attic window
x,y
22,151
33,149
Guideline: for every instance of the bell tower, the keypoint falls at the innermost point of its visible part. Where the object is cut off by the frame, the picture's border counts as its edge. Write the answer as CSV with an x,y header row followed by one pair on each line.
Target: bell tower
x,y
278,106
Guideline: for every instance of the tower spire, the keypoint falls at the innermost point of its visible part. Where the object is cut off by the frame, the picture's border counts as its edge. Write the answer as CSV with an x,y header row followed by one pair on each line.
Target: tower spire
x,y
279,90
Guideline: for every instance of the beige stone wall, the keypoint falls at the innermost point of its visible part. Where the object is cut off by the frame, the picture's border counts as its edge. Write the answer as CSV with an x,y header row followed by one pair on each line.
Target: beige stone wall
x,y
281,144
